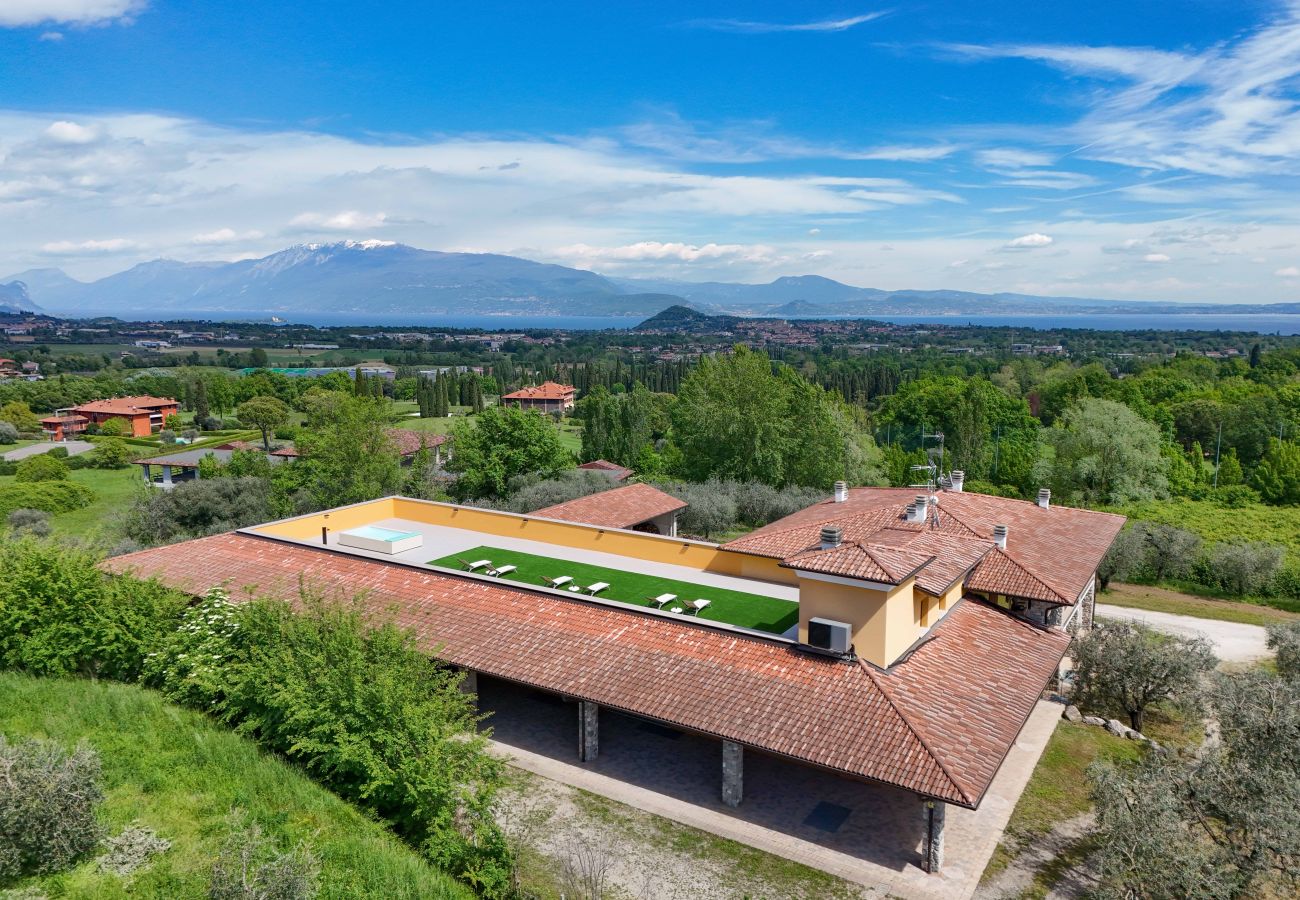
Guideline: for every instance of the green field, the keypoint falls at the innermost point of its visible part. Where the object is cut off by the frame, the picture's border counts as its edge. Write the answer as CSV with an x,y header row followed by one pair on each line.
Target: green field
x,y
1278,524
174,771
733,607
114,490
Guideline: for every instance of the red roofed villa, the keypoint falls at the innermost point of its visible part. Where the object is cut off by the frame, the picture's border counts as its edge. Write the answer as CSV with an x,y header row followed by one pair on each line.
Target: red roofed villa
x,y
143,415
545,397
847,681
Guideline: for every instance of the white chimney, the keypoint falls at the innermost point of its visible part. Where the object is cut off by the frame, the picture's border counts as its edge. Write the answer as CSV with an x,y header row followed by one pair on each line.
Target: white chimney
x,y
841,491
832,536
1044,498
922,505
956,478
1000,536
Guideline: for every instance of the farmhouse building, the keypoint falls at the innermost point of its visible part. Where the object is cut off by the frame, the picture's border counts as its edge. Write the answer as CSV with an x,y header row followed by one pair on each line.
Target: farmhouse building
x,y
143,416
545,397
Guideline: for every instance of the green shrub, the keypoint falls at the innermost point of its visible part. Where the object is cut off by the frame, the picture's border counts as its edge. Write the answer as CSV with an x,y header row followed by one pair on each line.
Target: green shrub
x,y
47,806
1284,640
51,496
35,522
249,867
57,452
111,454
8,433
60,615
115,428
41,467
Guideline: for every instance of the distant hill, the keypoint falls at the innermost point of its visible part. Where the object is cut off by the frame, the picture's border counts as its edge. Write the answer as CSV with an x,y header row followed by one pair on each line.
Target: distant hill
x,y
685,319
14,298
351,276
381,277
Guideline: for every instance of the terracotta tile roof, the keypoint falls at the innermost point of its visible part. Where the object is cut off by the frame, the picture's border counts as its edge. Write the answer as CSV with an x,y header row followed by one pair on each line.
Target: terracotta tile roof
x,y
125,406
286,452
548,390
938,723
1051,553
60,420
620,473
887,565
408,442
620,507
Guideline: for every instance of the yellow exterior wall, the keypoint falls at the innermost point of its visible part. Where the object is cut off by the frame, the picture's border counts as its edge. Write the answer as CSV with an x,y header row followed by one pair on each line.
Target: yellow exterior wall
x,y
884,623
635,545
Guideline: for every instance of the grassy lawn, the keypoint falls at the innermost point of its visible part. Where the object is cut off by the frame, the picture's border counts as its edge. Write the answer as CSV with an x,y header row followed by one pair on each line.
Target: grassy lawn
x,y
1058,789
1157,599
733,607
114,490
174,771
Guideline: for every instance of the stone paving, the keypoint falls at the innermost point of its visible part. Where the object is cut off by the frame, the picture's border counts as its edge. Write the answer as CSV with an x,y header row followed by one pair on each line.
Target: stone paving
x,y
866,833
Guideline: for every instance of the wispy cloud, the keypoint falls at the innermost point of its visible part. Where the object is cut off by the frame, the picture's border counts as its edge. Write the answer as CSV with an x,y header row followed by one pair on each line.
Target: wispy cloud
x,y
23,13
743,26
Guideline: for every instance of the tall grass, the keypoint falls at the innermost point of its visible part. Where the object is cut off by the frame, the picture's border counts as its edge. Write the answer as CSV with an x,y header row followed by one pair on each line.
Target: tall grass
x,y
172,770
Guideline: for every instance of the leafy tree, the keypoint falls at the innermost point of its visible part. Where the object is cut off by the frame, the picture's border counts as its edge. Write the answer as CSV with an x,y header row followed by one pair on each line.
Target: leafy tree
x,y
1128,666
503,443
1284,640
41,467
115,427
8,433
202,411
20,415
257,358
1106,453
1277,477
347,455
1123,558
197,508
1230,469
110,454
265,414
1169,551
1246,567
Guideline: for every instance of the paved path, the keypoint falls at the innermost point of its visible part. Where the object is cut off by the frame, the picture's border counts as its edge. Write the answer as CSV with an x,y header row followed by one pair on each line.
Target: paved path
x,y
875,842
1233,642
73,447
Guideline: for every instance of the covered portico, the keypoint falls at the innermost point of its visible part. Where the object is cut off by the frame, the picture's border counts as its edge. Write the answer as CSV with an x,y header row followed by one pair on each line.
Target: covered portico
x,y
175,468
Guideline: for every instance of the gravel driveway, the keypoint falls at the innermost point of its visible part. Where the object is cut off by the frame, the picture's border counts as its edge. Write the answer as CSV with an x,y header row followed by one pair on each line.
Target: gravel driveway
x,y
1233,642
74,448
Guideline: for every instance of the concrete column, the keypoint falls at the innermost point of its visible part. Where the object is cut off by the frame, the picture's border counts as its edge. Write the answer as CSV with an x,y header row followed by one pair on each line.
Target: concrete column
x,y
733,773
588,731
167,474
672,529
147,479
935,812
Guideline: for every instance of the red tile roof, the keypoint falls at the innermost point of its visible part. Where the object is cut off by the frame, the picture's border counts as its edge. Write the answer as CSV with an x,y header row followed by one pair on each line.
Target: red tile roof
x,y
126,406
620,507
1051,553
408,442
939,722
547,390
620,473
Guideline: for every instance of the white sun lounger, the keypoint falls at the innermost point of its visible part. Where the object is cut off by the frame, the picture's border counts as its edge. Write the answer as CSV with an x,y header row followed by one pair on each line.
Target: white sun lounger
x,y
596,588
663,600
504,570
699,606
477,564
559,582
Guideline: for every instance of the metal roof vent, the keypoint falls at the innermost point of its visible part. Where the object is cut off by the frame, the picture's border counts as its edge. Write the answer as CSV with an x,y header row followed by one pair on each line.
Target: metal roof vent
x,y
1000,536
1044,498
841,491
832,537
956,479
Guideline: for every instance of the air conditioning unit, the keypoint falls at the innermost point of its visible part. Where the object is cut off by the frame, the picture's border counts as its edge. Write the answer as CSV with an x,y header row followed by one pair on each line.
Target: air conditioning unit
x,y
827,634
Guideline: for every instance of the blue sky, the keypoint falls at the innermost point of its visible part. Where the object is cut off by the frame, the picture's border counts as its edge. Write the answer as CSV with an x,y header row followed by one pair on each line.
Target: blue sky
x,y
1090,149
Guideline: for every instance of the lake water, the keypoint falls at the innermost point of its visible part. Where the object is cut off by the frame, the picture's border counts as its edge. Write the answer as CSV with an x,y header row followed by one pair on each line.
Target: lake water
x,y
1263,324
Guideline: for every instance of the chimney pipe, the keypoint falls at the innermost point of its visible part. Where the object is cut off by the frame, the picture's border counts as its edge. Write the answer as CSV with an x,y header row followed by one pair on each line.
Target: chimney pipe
x,y
957,478
1000,536
1044,498
832,536
841,491
922,504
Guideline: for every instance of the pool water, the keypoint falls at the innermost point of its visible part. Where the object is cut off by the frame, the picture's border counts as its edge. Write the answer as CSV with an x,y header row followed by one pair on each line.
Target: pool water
x,y
375,533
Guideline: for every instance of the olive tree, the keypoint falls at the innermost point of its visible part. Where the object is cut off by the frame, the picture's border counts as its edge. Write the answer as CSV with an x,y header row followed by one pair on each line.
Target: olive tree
x,y
1284,640
1128,666
1246,567
1122,559
1168,552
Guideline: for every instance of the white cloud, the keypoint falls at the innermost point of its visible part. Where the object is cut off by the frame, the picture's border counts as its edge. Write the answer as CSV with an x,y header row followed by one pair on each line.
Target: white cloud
x,y
1029,241
20,13
1288,272
72,248
225,236
51,36
814,231
746,27
1156,258
343,221
959,263
71,133
588,256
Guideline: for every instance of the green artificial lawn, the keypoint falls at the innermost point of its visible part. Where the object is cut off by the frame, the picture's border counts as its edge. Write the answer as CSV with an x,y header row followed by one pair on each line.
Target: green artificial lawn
x,y
179,773
733,607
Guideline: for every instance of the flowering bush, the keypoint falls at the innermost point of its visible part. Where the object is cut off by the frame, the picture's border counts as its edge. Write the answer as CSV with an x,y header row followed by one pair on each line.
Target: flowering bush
x,y
193,665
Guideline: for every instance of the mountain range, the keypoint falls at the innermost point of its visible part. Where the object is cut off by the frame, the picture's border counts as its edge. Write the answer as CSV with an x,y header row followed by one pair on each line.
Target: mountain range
x,y
381,277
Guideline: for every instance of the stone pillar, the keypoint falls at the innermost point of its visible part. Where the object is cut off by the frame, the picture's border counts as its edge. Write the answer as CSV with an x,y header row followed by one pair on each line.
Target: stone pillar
x,y
935,812
147,478
167,475
588,730
733,773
